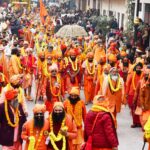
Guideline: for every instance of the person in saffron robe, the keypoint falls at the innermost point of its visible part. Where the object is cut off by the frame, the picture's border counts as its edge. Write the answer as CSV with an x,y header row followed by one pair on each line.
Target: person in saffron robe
x,y
113,89
101,78
12,118
61,124
72,71
89,70
14,63
29,64
131,84
101,121
36,129
23,49
99,51
51,89
144,97
15,83
75,107
41,74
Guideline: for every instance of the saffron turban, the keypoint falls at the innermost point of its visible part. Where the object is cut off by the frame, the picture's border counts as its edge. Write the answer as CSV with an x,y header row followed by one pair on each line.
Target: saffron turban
x,y
41,54
123,53
112,57
15,79
58,104
63,47
72,52
39,108
11,94
90,55
113,44
75,91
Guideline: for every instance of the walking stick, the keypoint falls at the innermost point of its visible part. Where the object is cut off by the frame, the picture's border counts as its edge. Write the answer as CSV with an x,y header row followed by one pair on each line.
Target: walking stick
x,y
143,145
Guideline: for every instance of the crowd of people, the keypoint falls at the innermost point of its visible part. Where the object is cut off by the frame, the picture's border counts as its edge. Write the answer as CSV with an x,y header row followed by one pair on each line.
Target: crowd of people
x,y
37,66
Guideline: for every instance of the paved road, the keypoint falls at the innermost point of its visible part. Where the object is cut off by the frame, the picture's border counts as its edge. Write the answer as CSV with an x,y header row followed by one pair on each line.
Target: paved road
x,y
129,139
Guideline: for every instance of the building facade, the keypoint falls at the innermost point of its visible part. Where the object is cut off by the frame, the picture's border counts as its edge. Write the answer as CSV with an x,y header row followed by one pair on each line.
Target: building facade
x,y
117,8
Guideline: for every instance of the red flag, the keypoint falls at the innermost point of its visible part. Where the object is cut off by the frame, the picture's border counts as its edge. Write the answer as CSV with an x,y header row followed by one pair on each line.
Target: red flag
x,y
43,12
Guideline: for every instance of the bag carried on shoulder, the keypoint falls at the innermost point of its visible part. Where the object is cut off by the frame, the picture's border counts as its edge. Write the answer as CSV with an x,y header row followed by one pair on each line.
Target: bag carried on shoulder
x,y
88,145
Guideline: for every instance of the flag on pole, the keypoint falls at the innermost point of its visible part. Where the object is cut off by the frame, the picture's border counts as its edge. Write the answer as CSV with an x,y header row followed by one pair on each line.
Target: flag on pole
x,y
43,12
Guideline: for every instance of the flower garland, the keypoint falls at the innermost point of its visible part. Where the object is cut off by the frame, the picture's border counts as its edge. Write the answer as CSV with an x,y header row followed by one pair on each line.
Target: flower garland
x,y
34,145
77,113
88,68
7,116
133,80
18,61
74,66
111,86
54,138
51,88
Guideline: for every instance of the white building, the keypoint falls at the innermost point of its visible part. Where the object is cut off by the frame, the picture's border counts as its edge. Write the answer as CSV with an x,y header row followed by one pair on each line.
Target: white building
x,y
117,8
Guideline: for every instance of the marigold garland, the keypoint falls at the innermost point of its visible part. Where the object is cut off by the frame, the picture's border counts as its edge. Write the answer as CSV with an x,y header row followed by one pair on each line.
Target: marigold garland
x,y
111,85
54,138
74,66
18,62
33,145
51,88
88,68
15,116
77,113
133,80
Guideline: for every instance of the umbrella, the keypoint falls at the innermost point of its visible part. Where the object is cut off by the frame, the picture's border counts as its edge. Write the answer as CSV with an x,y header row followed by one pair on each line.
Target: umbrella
x,y
71,31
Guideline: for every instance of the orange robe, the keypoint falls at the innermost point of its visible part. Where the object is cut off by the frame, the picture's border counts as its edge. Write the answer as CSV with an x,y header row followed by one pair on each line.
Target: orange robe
x,y
72,131
52,92
4,63
14,66
89,82
114,98
26,133
99,52
72,81
131,92
145,102
79,117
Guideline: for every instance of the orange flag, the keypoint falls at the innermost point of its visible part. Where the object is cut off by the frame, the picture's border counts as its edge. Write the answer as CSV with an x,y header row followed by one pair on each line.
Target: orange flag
x,y
43,12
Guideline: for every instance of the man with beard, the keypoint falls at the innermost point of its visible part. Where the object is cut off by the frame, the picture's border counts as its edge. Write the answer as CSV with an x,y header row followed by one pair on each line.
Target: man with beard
x,y
113,90
131,85
142,96
51,89
62,125
72,71
89,70
35,131
14,63
12,119
15,83
76,108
